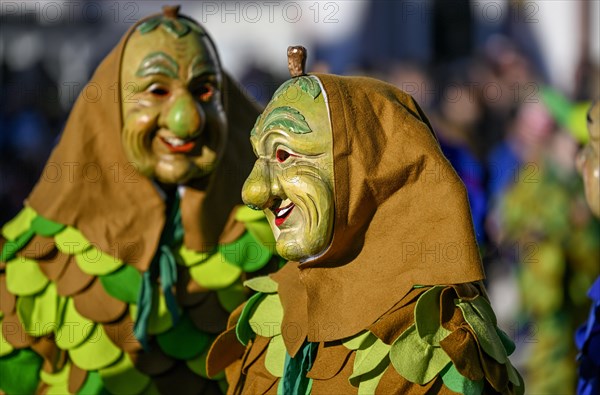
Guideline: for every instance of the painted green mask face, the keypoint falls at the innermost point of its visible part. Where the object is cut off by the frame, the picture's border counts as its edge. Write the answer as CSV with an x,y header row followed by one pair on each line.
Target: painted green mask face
x,y
174,124
588,160
292,179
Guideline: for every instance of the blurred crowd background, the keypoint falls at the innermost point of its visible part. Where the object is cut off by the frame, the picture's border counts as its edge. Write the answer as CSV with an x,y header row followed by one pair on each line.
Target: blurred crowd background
x,y
506,84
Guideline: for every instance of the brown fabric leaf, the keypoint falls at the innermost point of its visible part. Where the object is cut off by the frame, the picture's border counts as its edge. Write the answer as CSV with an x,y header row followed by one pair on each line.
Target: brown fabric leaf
x,y
450,315
330,359
7,300
235,316
390,326
54,264
259,380
338,383
292,293
255,350
152,362
77,377
495,372
120,333
233,374
38,247
233,229
224,351
14,333
393,383
73,280
97,305
209,316
54,357
466,291
188,291
462,348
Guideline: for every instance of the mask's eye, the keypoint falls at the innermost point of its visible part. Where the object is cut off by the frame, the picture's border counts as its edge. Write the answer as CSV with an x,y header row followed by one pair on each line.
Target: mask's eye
x,y
159,91
282,155
206,92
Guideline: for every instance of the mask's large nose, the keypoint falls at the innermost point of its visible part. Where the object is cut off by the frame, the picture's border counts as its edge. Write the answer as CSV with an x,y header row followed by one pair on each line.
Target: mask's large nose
x,y
261,188
185,117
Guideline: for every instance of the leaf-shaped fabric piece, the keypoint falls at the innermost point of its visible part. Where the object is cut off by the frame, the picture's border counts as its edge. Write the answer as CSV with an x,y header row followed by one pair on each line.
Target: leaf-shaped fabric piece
x,y
215,272
262,232
191,257
20,372
160,319
509,345
58,378
355,342
262,284
96,352
459,383
93,385
267,317
416,360
123,378
24,277
368,383
368,360
246,214
96,262
243,331
38,313
231,297
73,329
19,224
275,358
45,227
124,284
427,317
5,347
184,340
71,241
486,333
246,252
10,248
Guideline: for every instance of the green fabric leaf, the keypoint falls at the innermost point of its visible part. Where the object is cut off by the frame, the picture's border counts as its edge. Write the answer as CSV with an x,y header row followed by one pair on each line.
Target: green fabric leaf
x,y
124,284
262,232
215,272
184,340
294,379
355,342
160,319
243,331
73,329
458,383
45,227
92,385
5,347
19,224
368,360
427,317
416,360
231,297
509,345
513,375
275,358
96,262
20,372
59,378
122,378
262,284
246,214
265,320
486,333
190,257
198,366
71,241
38,313
24,277
246,252
96,352
10,248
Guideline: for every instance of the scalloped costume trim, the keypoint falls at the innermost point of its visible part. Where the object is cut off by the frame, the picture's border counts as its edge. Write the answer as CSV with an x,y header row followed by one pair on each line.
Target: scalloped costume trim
x,y
418,354
99,358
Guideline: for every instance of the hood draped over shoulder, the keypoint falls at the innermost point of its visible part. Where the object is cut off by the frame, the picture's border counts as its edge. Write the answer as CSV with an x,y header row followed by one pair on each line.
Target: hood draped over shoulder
x,y
402,217
89,184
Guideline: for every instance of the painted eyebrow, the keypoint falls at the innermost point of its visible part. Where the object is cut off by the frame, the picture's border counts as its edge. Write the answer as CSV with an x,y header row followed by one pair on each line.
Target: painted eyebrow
x,y
200,67
158,63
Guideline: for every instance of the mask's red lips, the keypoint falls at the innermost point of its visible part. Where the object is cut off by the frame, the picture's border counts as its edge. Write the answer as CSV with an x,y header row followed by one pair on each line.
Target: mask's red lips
x,y
176,145
282,213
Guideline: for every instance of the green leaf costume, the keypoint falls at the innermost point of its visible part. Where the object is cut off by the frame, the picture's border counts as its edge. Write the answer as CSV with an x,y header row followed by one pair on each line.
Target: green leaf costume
x,y
107,286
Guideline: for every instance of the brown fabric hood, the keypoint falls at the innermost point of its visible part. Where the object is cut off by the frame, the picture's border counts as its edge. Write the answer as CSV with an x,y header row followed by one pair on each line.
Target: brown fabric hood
x,y
89,184
402,216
